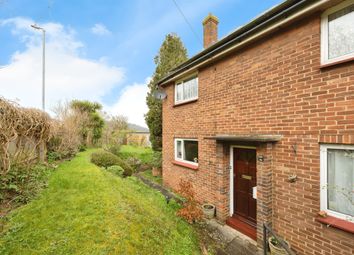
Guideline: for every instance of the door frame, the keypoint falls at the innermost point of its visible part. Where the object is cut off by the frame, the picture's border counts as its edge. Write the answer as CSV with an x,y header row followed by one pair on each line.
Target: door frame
x,y
231,176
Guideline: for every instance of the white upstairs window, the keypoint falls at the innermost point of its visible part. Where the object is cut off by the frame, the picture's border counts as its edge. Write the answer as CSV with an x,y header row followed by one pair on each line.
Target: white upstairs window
x,y
186,90
337,33
337,181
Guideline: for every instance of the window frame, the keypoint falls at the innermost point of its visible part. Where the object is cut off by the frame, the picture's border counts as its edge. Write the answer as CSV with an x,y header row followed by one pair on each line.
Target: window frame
x,y
183,150
323,180
324,35
182,81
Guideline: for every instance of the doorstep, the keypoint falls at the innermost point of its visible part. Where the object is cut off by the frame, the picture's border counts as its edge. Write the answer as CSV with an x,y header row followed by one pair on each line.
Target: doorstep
x,y
234,241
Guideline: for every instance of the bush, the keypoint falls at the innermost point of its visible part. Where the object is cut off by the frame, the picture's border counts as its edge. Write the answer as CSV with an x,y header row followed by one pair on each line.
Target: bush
x,y
127,172
53,156
23,132
82,147
106,159
114,149
191,210
135,163
116,170
66,129
21,184
157,159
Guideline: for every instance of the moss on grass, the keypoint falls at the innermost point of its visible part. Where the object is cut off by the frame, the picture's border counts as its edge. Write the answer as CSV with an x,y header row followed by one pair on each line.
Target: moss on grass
x,y
87,210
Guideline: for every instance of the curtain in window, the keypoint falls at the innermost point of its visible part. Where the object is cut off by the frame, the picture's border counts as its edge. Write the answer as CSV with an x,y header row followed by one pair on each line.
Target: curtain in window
x,y
187,90
179,94
340,174
341,32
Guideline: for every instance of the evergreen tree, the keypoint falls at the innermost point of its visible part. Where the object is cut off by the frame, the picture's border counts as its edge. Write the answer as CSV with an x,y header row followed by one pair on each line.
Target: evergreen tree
x,y
171,54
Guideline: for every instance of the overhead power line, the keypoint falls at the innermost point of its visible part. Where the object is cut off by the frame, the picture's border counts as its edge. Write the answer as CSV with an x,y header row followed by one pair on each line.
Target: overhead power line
x,y
188,23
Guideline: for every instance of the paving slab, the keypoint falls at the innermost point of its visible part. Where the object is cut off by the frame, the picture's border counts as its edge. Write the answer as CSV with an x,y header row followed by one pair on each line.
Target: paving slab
x,y
234,242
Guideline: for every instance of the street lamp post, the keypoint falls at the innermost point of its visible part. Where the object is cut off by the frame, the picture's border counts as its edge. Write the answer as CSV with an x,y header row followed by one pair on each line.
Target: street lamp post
x,y
43,64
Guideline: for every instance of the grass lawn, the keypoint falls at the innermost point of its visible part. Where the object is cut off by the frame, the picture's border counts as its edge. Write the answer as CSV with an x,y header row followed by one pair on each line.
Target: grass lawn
x,y
148,175
86,210
142,153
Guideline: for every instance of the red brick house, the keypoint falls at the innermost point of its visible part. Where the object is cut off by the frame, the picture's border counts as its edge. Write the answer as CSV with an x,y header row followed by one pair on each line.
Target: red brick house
x,y
262,123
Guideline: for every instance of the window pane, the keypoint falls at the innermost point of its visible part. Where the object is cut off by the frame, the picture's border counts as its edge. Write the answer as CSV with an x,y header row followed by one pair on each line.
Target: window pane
x,y
341,181
186,89
341,32
191,151
179,149
179,92
195,88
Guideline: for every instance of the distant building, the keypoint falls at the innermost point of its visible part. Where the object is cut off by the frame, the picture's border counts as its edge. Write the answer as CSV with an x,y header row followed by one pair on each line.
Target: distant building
x,y
138,136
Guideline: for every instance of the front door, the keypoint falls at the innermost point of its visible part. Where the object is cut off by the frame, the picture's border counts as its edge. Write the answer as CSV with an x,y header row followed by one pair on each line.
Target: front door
x,y
245,179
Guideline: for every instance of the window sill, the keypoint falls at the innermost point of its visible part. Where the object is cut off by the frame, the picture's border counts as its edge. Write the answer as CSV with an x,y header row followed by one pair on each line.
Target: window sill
x,y
337,62
186,102
190,166
331,221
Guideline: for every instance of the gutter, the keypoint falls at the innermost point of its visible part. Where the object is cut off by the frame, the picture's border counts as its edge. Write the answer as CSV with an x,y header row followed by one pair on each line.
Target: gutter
x,y
222,50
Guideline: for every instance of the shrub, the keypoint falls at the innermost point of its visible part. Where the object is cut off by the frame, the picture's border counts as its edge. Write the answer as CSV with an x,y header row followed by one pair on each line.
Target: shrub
x,y
157,159
106,159
53,156
116,170
22,184
114,149
191,209
23,135
135,163
127,172
66,131
114,133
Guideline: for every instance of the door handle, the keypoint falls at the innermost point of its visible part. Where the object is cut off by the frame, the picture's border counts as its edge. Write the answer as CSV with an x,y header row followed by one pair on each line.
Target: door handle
x,y
247,177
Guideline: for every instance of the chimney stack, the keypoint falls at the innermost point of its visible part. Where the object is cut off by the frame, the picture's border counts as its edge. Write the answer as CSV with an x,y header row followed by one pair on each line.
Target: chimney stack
x,y
210,33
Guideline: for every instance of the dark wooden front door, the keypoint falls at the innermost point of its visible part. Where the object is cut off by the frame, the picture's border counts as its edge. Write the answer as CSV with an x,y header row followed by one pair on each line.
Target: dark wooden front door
x,y
245,178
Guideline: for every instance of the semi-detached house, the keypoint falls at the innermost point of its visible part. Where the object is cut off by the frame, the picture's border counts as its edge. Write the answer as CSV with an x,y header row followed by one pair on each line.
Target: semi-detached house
x,y
262,123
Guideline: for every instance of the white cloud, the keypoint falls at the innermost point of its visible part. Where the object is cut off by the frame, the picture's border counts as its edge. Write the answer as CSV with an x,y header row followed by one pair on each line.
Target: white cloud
x,y
100,29
68,74
132,103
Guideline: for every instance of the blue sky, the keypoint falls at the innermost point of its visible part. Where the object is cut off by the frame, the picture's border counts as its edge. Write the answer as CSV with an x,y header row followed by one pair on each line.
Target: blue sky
x,y
101,50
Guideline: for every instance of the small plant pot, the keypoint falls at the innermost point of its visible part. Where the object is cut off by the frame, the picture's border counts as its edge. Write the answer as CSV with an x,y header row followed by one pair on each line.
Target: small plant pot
x,y
208,210
156,171
277,250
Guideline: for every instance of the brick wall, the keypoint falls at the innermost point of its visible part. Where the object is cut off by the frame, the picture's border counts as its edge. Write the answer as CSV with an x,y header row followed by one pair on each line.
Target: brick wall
x,y
274,86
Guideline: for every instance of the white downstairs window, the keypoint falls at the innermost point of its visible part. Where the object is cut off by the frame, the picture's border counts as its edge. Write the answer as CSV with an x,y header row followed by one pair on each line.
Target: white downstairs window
x,y
337,33
186,150
186,90
337,181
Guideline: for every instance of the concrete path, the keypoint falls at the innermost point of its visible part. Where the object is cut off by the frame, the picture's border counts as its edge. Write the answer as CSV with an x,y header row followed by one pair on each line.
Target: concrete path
x,y
234,242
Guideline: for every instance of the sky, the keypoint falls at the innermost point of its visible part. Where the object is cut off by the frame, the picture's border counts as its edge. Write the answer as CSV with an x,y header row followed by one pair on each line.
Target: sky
x,y
104,50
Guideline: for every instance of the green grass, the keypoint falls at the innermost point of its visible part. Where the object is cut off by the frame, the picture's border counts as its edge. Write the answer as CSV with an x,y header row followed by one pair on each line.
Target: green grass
x,y
142,153
86,210
148,175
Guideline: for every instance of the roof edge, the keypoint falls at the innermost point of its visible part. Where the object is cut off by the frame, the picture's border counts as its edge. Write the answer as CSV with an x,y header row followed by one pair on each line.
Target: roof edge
x,y
286,10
